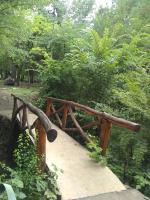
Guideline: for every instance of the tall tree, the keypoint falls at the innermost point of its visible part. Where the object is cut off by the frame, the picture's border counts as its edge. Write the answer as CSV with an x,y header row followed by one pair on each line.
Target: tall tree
x,y
81,9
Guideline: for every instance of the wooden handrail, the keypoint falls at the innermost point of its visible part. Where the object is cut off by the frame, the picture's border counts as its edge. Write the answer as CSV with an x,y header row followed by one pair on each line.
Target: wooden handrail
x,y
42,124
73,104
121,122
102,120
114,120
42,117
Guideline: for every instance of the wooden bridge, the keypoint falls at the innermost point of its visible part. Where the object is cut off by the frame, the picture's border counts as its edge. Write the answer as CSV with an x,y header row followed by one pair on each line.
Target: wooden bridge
x,y
82,178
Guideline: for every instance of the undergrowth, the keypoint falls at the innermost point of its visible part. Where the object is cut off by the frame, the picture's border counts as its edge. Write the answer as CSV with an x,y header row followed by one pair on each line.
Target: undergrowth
x,y
27,180
95,152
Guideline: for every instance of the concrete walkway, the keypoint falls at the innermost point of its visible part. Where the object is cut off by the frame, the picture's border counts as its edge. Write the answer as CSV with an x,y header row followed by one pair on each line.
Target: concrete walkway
x,y
81,176
129,194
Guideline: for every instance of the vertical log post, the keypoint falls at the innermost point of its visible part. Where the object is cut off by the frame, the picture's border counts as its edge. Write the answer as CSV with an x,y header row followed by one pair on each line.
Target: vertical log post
x,y
41,145
65,114
24,117
14,106
20,114
104,135
48,107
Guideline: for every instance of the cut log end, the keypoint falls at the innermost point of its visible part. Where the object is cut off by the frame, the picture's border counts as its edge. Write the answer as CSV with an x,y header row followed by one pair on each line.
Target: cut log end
x,y
51,135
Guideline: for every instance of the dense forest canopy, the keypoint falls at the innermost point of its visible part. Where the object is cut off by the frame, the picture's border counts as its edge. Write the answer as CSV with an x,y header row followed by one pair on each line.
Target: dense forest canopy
x,y
99,59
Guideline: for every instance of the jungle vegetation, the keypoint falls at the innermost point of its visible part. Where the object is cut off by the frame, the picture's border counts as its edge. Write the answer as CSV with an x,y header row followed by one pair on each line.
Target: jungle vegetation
x,y
98,57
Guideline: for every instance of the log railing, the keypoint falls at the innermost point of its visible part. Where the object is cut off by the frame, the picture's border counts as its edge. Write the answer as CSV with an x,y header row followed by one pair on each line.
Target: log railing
x,y
22,111
66,111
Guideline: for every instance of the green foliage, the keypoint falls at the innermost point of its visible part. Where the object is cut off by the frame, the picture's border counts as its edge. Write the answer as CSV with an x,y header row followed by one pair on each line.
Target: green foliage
x,y
10,192
101,46
81,9
26,179
15,31
143,182
64,75
95,152
108,68
13,178
24,155
104,64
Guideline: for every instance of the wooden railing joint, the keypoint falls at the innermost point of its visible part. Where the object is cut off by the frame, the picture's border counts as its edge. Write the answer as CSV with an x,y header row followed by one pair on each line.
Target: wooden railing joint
x,y
102,120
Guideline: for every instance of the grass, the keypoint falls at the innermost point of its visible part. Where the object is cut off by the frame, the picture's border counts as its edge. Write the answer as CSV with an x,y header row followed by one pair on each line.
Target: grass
x,y
24,91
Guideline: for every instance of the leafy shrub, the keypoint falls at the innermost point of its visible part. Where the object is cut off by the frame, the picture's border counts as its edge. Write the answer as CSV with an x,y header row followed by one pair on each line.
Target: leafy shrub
x,y
26,179
62,78
95,152
142,182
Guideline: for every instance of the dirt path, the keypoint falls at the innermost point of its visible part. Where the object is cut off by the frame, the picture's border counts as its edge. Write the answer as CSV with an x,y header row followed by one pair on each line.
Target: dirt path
x,y
24,91
6,101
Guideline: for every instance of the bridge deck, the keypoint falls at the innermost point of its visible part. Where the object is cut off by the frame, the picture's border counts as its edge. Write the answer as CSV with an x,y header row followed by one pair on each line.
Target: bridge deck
x,y
81,176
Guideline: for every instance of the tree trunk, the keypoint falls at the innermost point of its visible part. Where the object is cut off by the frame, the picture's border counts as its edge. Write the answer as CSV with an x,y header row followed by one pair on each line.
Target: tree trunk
x,y
31,77
1,74
18,78
14,73
6,74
